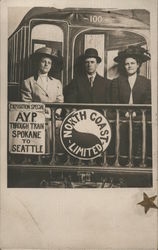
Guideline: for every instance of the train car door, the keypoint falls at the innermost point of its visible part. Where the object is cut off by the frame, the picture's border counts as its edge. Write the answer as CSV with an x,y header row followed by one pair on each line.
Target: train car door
x,y
49,35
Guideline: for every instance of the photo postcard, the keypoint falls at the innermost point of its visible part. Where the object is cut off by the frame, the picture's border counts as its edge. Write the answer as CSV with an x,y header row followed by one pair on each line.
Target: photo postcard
x,y
79,125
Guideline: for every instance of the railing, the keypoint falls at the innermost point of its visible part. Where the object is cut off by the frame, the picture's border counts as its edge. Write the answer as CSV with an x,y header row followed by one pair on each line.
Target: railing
x,y
129,153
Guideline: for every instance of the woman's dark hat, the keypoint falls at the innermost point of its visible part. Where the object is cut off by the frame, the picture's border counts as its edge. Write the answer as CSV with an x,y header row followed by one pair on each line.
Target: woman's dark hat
x,y
136,52
46,52
91,52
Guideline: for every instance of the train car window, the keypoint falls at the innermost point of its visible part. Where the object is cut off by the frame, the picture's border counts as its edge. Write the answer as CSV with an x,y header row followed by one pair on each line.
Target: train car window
x,y
108,43
14,66
111,65
14,58
49,35
22,56
10,60
19,55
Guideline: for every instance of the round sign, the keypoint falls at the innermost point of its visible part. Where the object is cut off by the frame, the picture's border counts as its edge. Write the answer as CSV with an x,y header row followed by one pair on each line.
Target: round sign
x,y
85,134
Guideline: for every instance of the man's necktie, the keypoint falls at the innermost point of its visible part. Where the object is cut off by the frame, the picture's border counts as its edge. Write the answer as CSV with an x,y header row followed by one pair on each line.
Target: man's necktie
x,y
91,81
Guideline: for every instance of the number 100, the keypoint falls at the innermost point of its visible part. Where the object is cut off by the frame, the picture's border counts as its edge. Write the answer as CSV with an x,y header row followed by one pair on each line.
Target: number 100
x,y
96,19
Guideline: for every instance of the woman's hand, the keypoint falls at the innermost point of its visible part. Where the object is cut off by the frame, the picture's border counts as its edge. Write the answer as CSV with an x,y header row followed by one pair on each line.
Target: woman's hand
x,y
47,113
133,114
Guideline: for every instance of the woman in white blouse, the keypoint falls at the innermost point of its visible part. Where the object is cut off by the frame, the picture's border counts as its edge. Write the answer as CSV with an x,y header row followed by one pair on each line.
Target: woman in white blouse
x,y
42,87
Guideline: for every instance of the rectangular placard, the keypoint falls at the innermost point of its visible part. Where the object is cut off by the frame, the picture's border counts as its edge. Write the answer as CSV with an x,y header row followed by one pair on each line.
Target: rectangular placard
x,y
26,128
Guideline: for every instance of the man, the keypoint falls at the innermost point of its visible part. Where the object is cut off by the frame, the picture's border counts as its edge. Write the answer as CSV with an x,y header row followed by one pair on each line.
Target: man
x,y
89,87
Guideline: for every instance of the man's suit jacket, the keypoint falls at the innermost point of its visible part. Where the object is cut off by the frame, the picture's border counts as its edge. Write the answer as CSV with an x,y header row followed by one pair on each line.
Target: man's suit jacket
x,y
120,90
80,91
32,91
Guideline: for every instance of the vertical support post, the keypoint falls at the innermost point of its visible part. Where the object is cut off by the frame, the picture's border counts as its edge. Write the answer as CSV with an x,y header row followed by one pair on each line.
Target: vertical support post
x,y
91,162
130,164
143,138
39,160
53,137
117,147
50,176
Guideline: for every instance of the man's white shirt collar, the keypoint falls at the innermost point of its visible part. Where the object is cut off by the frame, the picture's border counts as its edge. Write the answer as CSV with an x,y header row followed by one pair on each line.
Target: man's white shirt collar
x,y
94,75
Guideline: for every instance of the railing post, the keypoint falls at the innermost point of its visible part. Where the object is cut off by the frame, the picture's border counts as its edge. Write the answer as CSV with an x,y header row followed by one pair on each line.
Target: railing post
x,y
130,164
53,137
143,138
117,147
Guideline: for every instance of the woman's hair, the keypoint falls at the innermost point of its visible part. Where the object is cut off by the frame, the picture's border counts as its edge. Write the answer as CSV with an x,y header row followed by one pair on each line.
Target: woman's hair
x,y
121,65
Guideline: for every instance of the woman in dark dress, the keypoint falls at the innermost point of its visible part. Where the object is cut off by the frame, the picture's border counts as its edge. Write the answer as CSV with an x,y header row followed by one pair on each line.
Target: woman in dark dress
x,y
131,88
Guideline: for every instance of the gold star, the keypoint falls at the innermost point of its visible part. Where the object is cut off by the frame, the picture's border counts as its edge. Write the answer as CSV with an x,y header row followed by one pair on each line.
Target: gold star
x,y
148,202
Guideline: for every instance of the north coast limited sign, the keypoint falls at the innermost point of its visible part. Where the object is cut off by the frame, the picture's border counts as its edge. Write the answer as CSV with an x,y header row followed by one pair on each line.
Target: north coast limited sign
x,y
85,134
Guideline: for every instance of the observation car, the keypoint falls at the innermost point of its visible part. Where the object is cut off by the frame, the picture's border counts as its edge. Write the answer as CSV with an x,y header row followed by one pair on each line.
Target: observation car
x,y
70,31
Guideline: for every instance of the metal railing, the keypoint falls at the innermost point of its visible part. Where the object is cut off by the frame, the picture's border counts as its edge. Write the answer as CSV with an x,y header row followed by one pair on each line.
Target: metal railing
x,y
130,150
116,115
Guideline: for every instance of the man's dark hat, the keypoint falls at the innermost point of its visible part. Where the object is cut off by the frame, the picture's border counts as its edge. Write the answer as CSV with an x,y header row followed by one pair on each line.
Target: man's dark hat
x,y
46,52
91,52
136,52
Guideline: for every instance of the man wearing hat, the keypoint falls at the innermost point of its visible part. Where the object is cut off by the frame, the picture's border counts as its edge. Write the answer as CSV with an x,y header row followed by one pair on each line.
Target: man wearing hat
x,y
89,87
